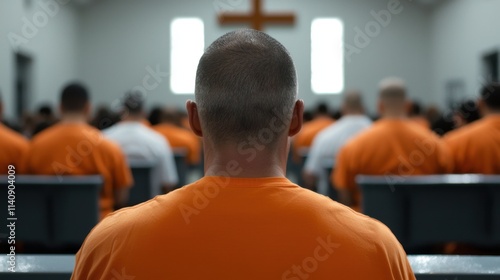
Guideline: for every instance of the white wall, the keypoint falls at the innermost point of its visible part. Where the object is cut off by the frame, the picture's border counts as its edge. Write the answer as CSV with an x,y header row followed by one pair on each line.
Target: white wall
x,y
53,46
110,43
120,38
462,32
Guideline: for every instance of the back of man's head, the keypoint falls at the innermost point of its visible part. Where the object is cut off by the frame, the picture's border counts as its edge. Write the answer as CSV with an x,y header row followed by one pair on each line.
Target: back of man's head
x,y
490,96
353,103
392,96
133,103
74,98
392,89
244,80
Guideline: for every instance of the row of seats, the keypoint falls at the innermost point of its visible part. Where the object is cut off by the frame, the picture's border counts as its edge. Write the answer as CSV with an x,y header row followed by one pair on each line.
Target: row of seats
x,y
59,211
425,267
420,210
52,211
434,209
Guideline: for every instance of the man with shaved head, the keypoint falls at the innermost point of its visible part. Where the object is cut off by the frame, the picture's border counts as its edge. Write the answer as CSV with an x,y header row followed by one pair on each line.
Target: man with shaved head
x,y
328,142
475,147
394,146
244,219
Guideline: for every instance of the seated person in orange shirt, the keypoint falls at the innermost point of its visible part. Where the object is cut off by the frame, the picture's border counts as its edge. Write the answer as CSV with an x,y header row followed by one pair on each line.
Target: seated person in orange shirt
x,y
303,141
13,147
394,146
244,219
475,147
179,137
72,147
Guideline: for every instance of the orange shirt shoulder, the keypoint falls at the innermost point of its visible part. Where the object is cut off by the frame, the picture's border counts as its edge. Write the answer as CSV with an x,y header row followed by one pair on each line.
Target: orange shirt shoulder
x,y
13,150
475,148
422,122
181,138
241,228
394,148
79,149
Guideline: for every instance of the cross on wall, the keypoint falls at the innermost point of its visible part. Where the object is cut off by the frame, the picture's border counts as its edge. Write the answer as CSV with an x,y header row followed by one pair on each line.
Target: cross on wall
x,y
257,18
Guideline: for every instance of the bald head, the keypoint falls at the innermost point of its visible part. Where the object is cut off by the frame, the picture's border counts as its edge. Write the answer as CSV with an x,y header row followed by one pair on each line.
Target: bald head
x,y
244,79
353,103
392,89
392,97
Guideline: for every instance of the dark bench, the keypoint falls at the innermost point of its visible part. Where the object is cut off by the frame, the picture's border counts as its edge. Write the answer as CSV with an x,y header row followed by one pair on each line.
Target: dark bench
x,y
146,181
52,210
428,210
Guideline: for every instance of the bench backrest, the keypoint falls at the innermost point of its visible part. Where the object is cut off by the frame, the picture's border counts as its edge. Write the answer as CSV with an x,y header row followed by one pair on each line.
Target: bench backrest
x,y
426,210
53,210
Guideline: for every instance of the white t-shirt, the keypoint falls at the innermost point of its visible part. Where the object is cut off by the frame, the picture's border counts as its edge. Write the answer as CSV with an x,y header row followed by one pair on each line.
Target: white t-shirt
x,y
141,142
328,143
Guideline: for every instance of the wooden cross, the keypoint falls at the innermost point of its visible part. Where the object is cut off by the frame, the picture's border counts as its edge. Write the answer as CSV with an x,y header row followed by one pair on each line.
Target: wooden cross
x,y
257,18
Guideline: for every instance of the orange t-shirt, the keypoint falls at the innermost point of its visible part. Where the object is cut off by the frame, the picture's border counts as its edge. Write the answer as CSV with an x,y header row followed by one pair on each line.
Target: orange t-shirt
x,y
475,148
79,149
13,150
241,228
421,121
396,148
181,138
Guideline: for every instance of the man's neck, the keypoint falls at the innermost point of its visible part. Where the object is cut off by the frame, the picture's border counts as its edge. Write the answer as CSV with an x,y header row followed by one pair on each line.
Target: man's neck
x,y
133,118
249,161
73,118
394,115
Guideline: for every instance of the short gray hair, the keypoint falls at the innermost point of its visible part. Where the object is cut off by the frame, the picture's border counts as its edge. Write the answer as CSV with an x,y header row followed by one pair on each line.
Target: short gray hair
x,y
392,89
243,80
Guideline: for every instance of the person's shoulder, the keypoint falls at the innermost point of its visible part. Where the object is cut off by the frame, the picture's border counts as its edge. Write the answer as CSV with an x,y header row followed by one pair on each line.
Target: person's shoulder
x,y
120,224
470,131
335,215
12,136
324,136
112,131
153,134
48,135
368,135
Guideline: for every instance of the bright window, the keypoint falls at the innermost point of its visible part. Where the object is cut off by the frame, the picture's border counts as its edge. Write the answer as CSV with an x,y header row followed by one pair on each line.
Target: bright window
x,y
187,44
327,56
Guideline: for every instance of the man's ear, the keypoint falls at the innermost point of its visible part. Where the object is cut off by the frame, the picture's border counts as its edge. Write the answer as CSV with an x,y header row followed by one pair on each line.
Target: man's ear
x,y
194,118
297,118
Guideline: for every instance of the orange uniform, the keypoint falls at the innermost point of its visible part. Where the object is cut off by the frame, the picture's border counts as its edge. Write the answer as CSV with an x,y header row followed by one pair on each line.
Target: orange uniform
x,y
421,121
309,130
475,148
241,228
79,149
395,148
13,150
181,138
